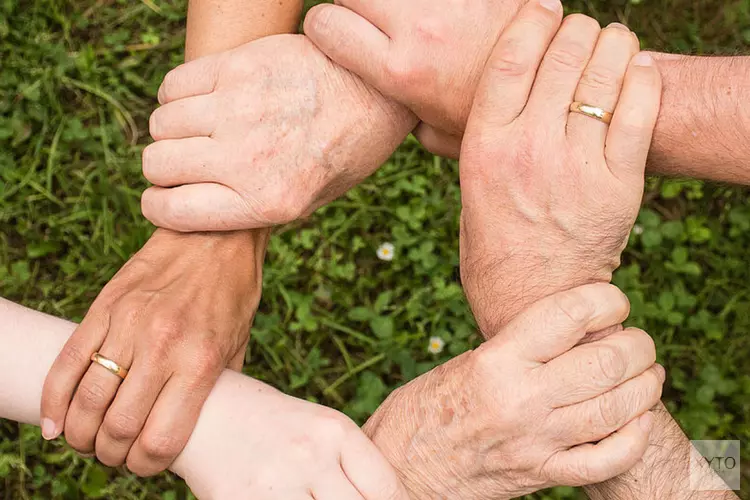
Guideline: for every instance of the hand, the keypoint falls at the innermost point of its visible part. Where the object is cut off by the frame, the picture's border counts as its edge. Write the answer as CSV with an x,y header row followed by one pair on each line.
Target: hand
x,y
549,196
521,412
425,54
253,442
175,315
262,135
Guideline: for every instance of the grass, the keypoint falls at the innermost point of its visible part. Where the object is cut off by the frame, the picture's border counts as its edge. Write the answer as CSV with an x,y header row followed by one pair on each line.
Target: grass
x,y
77,83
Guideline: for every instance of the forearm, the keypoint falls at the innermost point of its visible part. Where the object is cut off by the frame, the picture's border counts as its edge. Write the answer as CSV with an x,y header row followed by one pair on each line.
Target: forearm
x,y
218,25
664,471
29,343
704,124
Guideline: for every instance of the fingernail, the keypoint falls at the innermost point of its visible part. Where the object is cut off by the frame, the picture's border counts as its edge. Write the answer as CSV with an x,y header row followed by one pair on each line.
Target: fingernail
x,y
618,26
643,59
646,421
87,455
552,5
49,429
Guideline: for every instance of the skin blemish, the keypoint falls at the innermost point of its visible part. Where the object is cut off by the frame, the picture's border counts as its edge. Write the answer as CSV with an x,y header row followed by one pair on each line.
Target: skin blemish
x,y
446,416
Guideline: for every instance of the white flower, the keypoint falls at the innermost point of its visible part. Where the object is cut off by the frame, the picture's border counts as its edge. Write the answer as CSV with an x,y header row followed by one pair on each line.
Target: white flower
x,y
638,229
436,345
386,252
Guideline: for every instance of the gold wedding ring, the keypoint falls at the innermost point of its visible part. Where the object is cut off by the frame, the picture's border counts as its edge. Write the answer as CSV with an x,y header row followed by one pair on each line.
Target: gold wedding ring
x,y
591,112
109,365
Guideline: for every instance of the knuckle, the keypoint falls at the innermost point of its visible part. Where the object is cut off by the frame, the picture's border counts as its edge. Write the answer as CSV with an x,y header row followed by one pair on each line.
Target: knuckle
x,y
509,62
573,306
569,56
647,346
632,121
165,331
121,427
402,70
287,209
333,427
92,397
210,362
126,312
77,438
608,413
73,356
654,388
611,364
483,361
160,447
601,78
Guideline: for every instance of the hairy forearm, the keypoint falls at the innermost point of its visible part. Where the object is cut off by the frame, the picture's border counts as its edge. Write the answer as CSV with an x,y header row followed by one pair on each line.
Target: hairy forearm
x,y
704,124
664,471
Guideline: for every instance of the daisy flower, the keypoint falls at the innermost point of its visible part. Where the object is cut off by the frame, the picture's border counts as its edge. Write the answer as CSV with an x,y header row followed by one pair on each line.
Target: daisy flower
x,y
386,252
436,345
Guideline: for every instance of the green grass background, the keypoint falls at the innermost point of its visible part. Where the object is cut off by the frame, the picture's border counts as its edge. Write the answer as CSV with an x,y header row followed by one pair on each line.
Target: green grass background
x,y
77,82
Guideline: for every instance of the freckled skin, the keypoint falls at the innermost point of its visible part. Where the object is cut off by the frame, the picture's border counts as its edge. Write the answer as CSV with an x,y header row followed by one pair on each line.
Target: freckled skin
x,y
294,131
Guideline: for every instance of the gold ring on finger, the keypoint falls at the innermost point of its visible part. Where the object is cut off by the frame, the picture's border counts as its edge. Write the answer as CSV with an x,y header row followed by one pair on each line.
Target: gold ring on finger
x,y
591,111
109,365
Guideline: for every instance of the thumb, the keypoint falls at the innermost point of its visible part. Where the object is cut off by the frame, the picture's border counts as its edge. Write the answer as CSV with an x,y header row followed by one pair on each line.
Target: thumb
x,y
351,41
555,324
198,207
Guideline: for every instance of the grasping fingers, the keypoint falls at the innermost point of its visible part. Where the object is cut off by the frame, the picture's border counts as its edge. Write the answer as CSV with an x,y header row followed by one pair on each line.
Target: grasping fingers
x,y
601,84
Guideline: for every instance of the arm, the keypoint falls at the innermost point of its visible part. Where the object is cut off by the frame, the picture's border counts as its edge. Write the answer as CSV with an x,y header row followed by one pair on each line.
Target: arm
x,y
664,470
251,440
214,26
705,120
174,338
703,125
249,437
530,225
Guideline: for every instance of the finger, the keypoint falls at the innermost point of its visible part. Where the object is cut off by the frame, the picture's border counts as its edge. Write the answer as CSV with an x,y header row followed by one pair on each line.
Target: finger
x,y
511,69
171,422
352,42
632,127
68,370
198,207
94,394
562,67
173,162
556,323
193,117
127,414
335,485
601,84
238,362
438,142
367,469
591,369
378,13
191,79
614,455
597,418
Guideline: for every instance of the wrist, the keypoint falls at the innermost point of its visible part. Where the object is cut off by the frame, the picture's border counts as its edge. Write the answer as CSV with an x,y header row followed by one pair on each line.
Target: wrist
x,y
501,286
244,251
